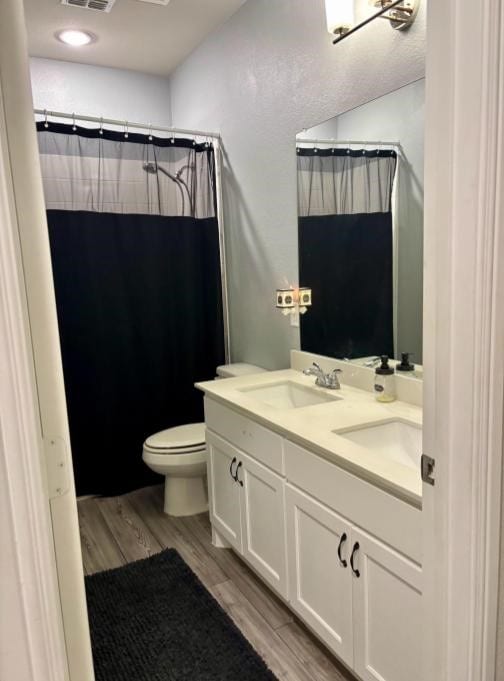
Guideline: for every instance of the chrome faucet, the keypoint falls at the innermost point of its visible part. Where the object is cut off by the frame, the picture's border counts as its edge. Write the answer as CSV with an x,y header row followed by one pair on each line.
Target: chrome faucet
x,y
329,380
374,361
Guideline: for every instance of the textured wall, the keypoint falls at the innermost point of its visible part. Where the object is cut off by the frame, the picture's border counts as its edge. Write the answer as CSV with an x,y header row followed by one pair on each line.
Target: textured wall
x,y
100,91
265,75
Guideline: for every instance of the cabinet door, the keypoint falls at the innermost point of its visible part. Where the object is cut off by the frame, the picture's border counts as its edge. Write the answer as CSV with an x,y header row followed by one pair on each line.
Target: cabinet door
x,y
320,584
387,612
223,490
263,522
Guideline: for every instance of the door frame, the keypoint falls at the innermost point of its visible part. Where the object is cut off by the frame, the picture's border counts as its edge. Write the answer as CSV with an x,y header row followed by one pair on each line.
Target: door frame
x,y
31,629
28,294
464,363
463,336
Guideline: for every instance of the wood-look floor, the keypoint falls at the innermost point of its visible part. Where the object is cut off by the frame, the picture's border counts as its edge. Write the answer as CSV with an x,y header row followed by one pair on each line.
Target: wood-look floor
x,y
116,531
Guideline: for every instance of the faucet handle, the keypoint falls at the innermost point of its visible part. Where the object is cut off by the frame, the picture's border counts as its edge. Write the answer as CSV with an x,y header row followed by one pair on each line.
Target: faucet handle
x,y
332,379
314,370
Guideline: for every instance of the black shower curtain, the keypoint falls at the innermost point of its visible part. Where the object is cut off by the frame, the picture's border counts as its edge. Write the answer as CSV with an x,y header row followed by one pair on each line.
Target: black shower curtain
x,y
347,260
140,318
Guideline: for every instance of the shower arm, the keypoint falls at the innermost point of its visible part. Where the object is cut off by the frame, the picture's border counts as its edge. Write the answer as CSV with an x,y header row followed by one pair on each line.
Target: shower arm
x,y
154,168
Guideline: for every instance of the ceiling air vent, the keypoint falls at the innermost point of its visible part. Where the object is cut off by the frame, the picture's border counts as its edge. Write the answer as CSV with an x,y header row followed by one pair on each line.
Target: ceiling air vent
x,y
156,2
96,5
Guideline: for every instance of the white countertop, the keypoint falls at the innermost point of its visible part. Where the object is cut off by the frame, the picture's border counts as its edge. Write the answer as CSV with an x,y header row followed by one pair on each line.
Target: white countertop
x,y
312,427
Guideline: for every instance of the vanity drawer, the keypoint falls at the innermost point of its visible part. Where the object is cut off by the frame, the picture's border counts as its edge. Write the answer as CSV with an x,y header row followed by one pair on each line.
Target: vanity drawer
x,y
264,445
383,515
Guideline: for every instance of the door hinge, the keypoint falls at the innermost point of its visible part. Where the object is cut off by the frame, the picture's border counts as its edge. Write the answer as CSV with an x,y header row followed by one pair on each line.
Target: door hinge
x,y
57,466
427,465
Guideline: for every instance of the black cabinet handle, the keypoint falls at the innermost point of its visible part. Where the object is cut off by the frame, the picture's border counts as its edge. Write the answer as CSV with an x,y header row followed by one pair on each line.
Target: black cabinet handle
x,y
231,468
236,475
341,542
356,547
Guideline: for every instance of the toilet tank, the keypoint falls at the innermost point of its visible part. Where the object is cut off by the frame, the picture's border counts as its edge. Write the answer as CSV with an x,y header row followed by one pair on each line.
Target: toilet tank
x,y
238,369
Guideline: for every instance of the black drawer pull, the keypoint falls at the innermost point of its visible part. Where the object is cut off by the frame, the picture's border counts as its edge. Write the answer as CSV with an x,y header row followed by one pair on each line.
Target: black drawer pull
x,y
341,542
231,468
356,547
236,476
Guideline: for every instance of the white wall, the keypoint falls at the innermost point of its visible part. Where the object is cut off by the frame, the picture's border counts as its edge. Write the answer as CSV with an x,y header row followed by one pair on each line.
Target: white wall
x,y
100,91
270,71
396,117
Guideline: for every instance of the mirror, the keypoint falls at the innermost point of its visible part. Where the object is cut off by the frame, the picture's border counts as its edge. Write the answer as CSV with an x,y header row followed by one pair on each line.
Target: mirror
x,y
360,228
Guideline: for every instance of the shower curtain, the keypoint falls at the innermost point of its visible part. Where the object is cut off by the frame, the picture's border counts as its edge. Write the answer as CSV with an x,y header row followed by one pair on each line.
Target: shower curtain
x,y
346,250
136,263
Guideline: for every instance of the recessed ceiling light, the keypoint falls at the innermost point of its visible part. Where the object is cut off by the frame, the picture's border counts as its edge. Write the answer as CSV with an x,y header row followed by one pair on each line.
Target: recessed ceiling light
x,y
75,38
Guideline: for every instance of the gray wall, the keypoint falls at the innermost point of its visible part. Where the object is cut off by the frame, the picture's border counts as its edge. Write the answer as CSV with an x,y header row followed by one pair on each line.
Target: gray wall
x,y
100,91
266,74
396,117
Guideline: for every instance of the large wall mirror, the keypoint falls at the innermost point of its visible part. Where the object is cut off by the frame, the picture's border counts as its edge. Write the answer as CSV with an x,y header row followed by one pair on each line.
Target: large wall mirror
x,y
360,225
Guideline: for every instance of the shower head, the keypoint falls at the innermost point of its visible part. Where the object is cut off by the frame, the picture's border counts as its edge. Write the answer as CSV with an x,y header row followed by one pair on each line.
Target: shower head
x,y
152,168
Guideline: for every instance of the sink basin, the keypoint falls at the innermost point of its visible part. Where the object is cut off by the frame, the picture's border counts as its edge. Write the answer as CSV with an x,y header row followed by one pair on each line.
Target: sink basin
x,y
288,395
395,439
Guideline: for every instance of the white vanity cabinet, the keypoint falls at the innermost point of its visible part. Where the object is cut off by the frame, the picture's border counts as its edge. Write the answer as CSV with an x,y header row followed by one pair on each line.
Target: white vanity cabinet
x,y
247,509
224,492
262,506
320,583
387,612
361,597
373,584
344,553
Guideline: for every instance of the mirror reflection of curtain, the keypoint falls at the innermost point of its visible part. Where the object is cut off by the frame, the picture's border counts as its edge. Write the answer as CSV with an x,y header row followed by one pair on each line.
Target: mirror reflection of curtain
x,y
346,250
136,264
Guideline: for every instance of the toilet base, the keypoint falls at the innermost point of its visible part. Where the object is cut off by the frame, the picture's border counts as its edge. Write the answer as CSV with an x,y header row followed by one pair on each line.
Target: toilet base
x,y
185,496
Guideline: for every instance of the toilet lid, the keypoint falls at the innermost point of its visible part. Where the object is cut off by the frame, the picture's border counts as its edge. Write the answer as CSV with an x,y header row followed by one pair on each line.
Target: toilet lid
x,y
190,435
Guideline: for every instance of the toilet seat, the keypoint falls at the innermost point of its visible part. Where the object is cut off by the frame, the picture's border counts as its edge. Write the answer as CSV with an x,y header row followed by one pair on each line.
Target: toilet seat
x,y
160,460
178,440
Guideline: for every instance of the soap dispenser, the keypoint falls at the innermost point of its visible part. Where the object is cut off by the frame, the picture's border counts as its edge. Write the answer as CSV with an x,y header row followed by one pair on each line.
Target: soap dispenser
x,y
385,381
405,364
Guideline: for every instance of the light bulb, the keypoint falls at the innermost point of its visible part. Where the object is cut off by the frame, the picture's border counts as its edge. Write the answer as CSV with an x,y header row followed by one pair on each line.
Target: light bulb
x,y
75,38
339,15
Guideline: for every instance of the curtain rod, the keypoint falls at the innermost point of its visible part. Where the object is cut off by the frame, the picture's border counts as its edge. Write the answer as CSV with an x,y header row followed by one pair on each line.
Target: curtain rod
x,y
346,142
127,124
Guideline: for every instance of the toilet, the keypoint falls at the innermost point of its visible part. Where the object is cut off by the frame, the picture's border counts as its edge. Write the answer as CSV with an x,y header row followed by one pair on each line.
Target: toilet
x,y
179,454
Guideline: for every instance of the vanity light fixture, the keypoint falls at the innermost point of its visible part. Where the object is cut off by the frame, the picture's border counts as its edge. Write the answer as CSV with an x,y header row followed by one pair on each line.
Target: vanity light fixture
x,y
75,37
291,300
340,16
400,13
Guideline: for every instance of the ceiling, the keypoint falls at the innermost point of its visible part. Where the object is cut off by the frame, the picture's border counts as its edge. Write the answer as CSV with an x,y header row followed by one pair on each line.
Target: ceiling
x,y
134,35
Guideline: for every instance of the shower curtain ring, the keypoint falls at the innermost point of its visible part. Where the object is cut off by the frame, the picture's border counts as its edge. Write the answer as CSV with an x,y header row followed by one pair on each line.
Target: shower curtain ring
x,y
46,122
101,126
74,127
150,133
126,134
